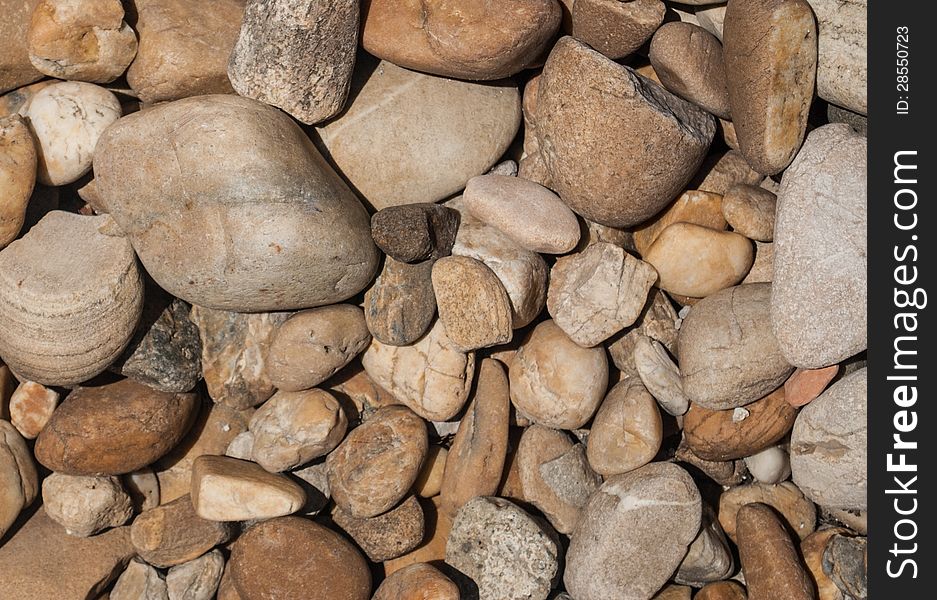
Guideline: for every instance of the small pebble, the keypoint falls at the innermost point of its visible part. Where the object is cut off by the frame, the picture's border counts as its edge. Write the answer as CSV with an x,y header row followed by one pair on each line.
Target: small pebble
x,y
415,232
616,29
173,534
385,536
750,210
228,489
85,505
419,581
770,562
473,305
627,431
31,407
196,579
140,581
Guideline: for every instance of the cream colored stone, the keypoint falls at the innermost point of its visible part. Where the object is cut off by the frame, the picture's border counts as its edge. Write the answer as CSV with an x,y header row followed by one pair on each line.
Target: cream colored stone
x,y
143,488
85,505
771,465
241,446
786,498
762,270
228,489
660,375
31,407
627,431
17,175
473,305
18,474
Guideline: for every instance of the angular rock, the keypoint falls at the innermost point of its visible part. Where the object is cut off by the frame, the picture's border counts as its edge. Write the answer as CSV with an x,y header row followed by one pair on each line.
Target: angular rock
x,y
770,562
139,581
296,55
85,505
417,582
18,473
660,375
812,549
415,232
228,489
688,59
658,321
627,431
709,557
17,175
719,173
385,536
172,534
616,29
196,579
804,385
31,407
473,305
820,280
846,562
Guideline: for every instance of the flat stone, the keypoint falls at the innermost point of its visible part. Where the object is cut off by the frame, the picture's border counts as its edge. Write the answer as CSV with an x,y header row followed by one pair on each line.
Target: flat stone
x,y
804,385
770,562
228,489
84,505
473,305
196,579
720,172
660,375
750,210
172,534
400,305
616,29
415,232
820,281
693,206
688,59
627,432
385,536
842,73
658,321
31,406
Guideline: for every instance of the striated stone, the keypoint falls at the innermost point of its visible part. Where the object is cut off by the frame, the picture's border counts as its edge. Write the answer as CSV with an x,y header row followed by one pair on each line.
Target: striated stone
x,y
770,562
17,175
84,505
804,385
589,106
728,353
419,581
184,48
554,381
432,377
294,558
473,305
228,489
83,40
693,206
616,29
476,458
598,292
750,210
415,232
696,261
770,61
820,281
385,536
842,72
172,534
527,212
18,473
688,59
378,462
31,407
476,41
400,305
139,581
507,553
633,533
829,444
627,431
196,579
709,557
799,513
660,375
114,428
271,194
296,55
429,134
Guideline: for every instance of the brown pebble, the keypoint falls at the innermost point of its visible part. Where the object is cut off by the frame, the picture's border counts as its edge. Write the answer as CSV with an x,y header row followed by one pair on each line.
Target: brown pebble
x,y
400,305
688,59
385,536
433,548
722,590
627,430
805,385
415,232
693,206
228,489
720,172
750,210
770,562
419,581
798,512
17,175
173,533
473,305
616,29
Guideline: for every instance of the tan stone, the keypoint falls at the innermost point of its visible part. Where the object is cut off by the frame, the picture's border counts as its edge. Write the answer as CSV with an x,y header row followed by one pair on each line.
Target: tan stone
x,y
771,465
812,548
143,488
627,431
432,377
429,482
430,135
798,512
378,462
18,473
674,592
554,381
591,107
172,534
474,41
8,385
771,62
139,581
616,29
598,292
720,172
83,40
386,536
593,233
693,206
709,557
31,407
473,305
801,388
226,589
437,525
184,48
688,60
476,458
15,68
770,562
292,428
228,489
750,210
842,48
419,581
762,270
17,175
400,305
84,505
196,579
696,261
660,375
722,590
358,393
658,321
727,473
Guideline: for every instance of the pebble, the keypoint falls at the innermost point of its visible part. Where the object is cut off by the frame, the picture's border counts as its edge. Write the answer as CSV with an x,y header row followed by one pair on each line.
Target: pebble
x,y
143,488
799,513
31,407
196,579
228,489
465,41
522,272
750,210
658,321
829,445
437,525
378,462
15,68
770,562
697,261
235,348
660,375
184,48
507,553
804,385
845,561
385,536
400,305
440,133
239,198
140,581
272,59
429,482
721,172
415,232
770,51
81,40
627,432
589,106
674,592
527,212
723,590
293,428
633,534
596,293
762,270
616,29
812,549
84,505
18,473
709,557
17,175
114,428
771,465
692,206
291,557
473,305
732,328
723,435
554,381
419,581
172,533
593,233
689,62
820,282
71,289
475,461
842,73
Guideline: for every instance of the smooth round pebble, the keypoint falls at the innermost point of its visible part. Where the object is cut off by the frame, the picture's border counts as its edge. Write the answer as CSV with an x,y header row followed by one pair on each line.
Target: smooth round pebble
x,y
751,211
627,431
